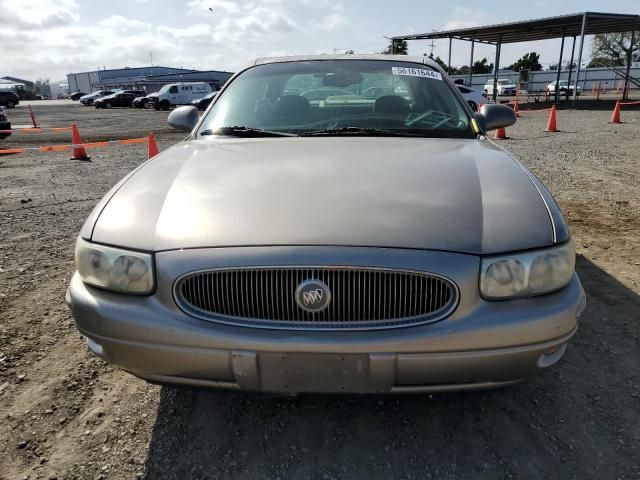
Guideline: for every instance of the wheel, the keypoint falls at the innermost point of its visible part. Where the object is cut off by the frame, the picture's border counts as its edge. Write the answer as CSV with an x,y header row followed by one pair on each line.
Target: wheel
x,y
89,103
473,105
165,105
107,105
156,106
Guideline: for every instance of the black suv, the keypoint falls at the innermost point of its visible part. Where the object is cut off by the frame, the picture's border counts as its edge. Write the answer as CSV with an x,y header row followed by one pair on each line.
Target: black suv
x,y
9,99
4,124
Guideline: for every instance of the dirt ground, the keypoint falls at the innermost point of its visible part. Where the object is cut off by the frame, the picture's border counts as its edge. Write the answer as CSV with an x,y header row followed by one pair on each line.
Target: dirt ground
x,y
64,414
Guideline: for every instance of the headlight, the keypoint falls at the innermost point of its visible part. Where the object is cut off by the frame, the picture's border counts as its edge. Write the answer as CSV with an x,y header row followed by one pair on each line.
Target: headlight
x,y
527,274
113,268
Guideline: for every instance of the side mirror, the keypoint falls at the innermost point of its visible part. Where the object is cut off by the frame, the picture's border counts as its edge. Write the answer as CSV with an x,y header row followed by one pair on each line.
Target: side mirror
x,y
492,116
183,118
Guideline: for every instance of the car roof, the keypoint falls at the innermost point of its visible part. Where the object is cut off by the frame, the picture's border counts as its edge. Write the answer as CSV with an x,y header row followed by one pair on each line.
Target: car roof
x,y
380,57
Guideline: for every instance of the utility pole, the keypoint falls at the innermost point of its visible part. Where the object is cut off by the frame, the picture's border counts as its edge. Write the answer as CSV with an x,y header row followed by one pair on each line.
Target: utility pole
x,y
432,45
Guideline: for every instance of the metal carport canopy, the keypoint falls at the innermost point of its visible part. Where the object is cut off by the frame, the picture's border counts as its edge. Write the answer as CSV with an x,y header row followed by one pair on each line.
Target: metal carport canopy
x,y
539,29
563,26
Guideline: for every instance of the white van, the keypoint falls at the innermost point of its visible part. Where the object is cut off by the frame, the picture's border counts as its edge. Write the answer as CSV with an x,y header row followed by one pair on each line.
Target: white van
x,y
179,94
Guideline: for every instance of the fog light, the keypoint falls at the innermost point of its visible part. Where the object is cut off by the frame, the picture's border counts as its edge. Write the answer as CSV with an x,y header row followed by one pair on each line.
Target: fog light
x,y
94,347
551,356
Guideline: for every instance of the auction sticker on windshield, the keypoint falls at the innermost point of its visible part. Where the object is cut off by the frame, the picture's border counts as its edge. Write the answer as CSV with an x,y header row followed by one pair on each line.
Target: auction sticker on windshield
x,y
416,72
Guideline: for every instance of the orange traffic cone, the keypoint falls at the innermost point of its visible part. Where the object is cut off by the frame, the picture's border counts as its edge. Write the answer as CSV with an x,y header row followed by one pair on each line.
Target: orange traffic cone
x,y
516,108
79,153
615,116
33,118
552,124
501,134
152,147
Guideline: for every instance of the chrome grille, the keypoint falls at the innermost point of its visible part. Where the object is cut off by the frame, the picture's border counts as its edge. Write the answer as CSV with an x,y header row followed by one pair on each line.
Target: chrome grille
x,y
362,298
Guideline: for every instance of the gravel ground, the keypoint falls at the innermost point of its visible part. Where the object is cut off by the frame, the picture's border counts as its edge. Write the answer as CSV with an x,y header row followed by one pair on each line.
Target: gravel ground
x,y
67,415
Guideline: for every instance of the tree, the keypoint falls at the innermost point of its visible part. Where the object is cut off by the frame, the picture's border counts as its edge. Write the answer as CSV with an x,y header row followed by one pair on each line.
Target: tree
x,y
438,60
529,61
42,87
397,47
605,62
613,49
482,66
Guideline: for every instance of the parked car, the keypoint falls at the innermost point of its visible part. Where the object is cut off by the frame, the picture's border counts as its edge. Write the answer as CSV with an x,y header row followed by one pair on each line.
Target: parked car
x,y
473,97
203,103
564,85
5,124
119,99
179,94
287,245
141,101
8,99
135,93
88,100
504,87
76,96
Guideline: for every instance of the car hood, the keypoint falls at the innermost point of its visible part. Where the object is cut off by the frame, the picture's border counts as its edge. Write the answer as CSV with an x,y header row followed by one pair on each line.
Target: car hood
x,y
442,194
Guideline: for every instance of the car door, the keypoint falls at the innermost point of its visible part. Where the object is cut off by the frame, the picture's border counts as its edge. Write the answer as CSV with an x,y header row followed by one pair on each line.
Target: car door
x,y
174,95
124,100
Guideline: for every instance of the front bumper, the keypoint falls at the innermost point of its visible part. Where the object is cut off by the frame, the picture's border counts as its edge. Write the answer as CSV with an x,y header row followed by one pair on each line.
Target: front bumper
x,y
482,344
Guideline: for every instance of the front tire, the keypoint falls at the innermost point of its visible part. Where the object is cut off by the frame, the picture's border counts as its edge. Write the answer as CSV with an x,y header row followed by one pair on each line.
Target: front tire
x,y
10,104
108,105
165,105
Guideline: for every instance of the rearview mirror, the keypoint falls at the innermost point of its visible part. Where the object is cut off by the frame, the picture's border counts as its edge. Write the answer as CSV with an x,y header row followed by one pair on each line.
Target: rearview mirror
x,y
184,118
492,116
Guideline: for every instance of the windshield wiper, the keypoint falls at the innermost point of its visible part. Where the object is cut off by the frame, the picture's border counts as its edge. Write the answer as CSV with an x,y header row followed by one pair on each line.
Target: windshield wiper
x,y
246,132
369,132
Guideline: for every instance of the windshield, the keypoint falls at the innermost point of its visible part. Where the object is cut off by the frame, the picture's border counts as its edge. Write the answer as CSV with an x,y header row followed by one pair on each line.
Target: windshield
x,y
504,82
347,95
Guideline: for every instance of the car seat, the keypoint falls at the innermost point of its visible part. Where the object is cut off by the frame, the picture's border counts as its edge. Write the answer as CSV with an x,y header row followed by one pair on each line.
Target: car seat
x,y
291,109
392,104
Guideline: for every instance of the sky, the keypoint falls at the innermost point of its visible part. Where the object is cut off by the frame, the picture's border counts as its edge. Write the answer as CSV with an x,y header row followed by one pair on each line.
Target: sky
x,y
50,38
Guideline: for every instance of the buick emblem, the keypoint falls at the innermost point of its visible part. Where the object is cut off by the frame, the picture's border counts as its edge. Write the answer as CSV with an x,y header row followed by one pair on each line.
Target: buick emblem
x,y
313,296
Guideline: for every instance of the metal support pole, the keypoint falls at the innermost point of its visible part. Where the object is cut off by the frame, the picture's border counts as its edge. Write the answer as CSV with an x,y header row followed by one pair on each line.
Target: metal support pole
x,y
449,63
573,47
496,68
473,43
557,89
393,47
575,90
625,93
